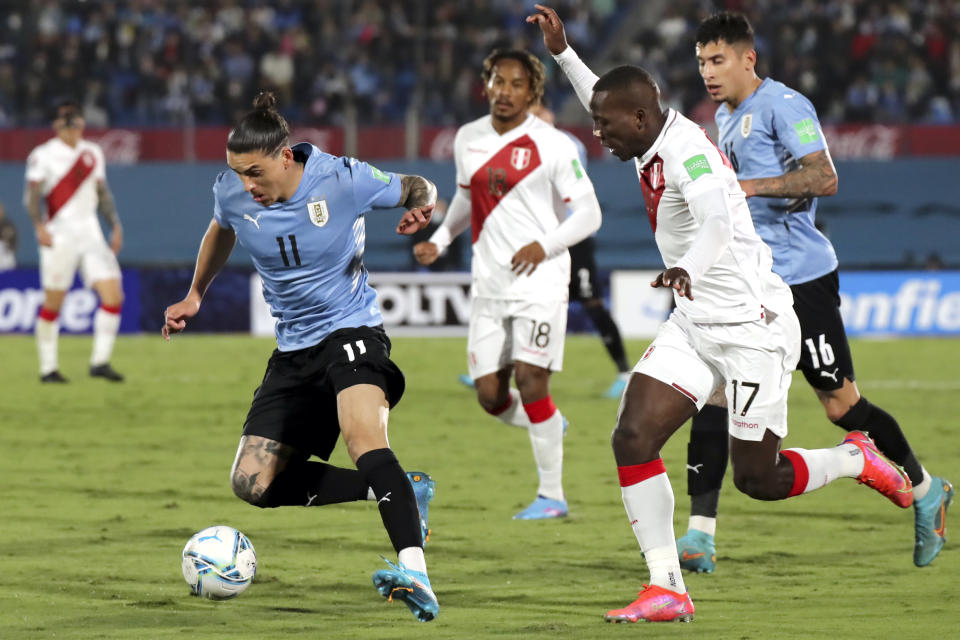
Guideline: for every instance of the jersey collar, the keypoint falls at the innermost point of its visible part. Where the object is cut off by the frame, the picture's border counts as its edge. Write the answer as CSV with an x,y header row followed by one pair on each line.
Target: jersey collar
x,y
655,147
520,127
749,100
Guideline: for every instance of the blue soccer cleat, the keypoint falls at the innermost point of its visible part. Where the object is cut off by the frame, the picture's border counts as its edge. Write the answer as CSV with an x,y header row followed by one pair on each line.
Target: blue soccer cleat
x,y
618,387
697,552
542,509
423,489
409,586
930,521
465,380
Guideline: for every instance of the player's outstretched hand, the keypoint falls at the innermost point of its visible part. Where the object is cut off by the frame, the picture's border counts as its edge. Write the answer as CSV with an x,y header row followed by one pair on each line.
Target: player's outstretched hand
x,y
527,258
415,219
552,28
426,253
175,316
675,278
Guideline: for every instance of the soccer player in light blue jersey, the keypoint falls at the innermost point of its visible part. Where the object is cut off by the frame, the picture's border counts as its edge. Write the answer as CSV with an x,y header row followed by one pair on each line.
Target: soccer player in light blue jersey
x,y
772,136
300,214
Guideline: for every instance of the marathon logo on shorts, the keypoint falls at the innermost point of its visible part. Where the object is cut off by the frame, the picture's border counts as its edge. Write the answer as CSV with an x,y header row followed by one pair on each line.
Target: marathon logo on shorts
x,y
646,354
319,213
740,424
520,158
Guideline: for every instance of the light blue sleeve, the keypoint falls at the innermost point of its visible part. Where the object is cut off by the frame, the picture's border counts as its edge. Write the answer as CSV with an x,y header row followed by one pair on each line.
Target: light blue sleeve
x,y
796,124
373,188
218,213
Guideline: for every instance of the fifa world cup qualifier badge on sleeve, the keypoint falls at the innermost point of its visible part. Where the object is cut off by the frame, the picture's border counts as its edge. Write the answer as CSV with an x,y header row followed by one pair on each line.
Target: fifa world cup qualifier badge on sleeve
x,y
318,211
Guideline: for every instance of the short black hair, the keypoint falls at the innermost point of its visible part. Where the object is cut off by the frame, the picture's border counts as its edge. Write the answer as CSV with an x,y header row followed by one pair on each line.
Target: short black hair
x,y
535,68
262,129
626,76
68,105
729,26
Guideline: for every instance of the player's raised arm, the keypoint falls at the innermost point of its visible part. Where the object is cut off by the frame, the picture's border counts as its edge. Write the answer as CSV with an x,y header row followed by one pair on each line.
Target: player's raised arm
x,y
579,74
215,248
418,196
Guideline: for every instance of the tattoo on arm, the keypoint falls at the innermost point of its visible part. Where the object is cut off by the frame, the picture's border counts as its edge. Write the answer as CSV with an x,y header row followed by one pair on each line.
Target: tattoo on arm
x,y
108,208
815,177
416,192
34,191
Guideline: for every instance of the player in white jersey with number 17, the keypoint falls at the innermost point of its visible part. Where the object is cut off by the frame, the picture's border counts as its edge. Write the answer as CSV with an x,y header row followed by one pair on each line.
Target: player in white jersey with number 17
x,y
516,178
66,185
734,327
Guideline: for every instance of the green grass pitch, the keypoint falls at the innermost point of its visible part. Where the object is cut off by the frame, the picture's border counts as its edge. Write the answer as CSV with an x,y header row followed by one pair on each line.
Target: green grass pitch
x,y
103,484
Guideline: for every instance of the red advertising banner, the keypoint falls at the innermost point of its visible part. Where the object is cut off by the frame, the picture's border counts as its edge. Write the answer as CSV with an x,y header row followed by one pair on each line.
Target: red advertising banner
x,y
206,144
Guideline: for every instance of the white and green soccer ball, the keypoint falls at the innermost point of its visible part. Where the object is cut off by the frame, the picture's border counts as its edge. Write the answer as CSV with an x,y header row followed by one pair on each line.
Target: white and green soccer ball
x,y
219,563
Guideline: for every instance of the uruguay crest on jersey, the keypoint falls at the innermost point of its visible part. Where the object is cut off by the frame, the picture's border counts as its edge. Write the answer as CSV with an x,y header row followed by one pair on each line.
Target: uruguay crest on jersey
x,y
746,124
319,213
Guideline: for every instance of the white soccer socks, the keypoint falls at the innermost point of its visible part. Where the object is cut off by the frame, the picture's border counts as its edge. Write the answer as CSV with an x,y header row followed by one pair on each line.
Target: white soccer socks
x,y
106,324
648,500
47,332
511,412
546,438
815,468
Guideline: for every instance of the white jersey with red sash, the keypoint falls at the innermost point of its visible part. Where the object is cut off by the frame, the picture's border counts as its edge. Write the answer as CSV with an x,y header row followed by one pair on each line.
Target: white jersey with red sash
x,y
681,164
69,176
518,184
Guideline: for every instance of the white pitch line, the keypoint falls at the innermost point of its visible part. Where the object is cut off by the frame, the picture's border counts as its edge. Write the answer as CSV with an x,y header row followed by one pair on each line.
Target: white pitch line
x,y
923,385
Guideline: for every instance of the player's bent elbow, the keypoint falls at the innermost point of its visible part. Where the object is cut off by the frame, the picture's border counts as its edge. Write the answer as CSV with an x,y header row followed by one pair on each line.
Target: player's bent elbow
x,y
830,188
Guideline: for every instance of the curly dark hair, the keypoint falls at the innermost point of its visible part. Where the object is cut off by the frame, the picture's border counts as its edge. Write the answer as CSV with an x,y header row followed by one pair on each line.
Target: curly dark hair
x,y
538,75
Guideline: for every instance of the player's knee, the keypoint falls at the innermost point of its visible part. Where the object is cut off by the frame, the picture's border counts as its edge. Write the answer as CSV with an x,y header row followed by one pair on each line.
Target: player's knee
x,y
628,436
756,485
249,492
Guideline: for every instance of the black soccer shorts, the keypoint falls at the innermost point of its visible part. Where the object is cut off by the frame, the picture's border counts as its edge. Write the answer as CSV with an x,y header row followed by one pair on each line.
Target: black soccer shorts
x,y
825,358
296,403
583,271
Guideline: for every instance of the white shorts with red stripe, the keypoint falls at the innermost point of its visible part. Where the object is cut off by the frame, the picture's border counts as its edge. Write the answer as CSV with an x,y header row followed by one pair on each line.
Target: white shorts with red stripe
x,y
505,331
88,252
755,360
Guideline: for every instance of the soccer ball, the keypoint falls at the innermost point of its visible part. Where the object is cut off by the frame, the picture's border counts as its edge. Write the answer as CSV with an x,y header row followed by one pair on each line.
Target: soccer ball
x,y
219,563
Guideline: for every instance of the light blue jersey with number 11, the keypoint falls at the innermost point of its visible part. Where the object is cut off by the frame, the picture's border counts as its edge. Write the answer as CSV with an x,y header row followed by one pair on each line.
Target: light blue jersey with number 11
x,y
309,249
765,137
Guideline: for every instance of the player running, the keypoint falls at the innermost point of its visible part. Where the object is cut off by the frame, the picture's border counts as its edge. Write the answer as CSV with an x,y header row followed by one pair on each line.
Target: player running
x,y
516,178
300,214
734,327
773,138
66,185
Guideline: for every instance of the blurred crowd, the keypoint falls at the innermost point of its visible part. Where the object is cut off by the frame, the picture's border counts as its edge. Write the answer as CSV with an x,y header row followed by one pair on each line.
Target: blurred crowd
x,y
175,62
163,62
890,61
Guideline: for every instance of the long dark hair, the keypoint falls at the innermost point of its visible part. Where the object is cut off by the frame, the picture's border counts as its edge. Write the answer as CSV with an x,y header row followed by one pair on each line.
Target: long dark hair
x,y
262,129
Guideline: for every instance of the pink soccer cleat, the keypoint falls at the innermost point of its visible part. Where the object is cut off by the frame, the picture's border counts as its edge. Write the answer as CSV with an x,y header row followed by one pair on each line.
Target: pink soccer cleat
x,y
880,473
655,604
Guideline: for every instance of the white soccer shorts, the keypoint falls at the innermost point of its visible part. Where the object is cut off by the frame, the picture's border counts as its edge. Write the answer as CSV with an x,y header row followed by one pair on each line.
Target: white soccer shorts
x,y
59,263
505,331
754,360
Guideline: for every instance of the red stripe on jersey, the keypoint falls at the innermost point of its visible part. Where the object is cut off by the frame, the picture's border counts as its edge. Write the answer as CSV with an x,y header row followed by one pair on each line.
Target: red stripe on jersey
x,y
634,473
726,160
70,182
652,184
495,179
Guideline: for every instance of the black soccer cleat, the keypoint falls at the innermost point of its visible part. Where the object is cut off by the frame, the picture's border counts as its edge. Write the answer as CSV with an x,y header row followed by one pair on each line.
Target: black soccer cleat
x,y
53,376
106,372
